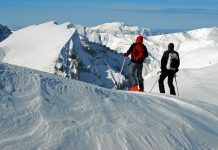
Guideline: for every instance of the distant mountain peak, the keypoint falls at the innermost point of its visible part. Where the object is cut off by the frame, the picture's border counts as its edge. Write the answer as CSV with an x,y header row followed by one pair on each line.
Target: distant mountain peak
x,y
121,28
4,32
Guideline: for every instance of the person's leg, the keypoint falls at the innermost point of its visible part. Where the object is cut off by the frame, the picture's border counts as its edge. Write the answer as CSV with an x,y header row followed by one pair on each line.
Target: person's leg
x,y
132,78
163,75
170,82
140,78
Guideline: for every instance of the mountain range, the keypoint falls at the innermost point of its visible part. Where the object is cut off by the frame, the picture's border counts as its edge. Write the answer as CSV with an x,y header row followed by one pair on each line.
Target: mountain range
x,y
58,89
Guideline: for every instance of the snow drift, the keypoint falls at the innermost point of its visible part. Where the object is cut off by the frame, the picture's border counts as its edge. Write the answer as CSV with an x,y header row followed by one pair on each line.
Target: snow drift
x,y
43,111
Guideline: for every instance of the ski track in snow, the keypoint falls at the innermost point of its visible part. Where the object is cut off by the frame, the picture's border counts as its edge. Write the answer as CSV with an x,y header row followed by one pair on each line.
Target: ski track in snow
x,y
43,111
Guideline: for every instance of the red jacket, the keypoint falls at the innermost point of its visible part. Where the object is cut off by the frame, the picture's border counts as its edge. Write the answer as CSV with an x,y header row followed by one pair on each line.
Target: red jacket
x,y
138,51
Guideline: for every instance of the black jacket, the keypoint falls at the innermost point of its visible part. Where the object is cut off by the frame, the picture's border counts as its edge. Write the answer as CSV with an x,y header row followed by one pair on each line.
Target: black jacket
x,y
165,57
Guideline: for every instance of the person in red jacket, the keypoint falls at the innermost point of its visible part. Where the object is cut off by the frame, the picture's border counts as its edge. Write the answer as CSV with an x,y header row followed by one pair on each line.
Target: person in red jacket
x,y
138,53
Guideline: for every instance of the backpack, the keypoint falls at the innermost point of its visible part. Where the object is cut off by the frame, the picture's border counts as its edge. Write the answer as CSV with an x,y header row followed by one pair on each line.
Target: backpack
x,y
138,53
172,62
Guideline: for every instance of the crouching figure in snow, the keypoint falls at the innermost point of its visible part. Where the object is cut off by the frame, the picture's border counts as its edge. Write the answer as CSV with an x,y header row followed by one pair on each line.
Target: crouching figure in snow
x,y
138,53
169,67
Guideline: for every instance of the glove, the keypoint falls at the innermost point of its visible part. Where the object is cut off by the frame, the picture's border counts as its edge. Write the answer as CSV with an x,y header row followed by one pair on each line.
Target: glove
x,y
125,55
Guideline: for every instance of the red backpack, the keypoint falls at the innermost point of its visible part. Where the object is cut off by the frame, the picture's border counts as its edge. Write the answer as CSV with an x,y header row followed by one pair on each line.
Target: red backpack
x,y
138,53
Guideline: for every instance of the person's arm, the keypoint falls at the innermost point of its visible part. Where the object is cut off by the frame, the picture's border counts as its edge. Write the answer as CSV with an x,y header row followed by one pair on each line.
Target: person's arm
x,y
178,60
145,51
130,50
177,69
164,61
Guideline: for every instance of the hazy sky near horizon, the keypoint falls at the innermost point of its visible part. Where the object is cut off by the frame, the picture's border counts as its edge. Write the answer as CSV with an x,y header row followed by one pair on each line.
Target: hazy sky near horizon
x,y
158,14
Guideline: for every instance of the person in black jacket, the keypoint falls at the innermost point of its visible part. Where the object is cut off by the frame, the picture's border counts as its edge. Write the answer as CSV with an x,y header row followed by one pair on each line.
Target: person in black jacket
x,y
138,53
169,67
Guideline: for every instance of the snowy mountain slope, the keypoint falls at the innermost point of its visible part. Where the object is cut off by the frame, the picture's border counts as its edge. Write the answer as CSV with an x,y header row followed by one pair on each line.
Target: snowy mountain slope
x,y
192,45
89,62
116,36
43,111
65,50
4,32
199,59
36,46
197,84
197,48
117,28
94,54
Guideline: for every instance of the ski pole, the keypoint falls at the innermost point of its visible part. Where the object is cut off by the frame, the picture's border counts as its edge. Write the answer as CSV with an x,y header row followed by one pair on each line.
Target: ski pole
x,y
121,72
155,82
177,85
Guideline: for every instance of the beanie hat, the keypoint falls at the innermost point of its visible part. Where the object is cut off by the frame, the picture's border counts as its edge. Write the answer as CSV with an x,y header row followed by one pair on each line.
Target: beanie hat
x,y
139,39
171,46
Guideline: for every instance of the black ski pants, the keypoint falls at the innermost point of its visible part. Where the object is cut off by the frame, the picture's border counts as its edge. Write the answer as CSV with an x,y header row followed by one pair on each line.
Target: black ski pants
x,y
170,74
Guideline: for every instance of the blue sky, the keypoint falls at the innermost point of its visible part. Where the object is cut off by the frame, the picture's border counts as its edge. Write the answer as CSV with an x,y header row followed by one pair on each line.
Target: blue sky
x,y
156,14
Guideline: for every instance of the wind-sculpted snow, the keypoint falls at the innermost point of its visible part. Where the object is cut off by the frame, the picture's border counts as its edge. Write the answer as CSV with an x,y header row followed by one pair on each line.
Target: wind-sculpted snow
x,y
43,111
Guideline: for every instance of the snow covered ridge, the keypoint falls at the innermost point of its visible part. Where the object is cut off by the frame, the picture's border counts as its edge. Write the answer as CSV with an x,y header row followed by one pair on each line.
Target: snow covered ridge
x,y
43,111
197,48
94,54
122,28
4,32
36,46
69,50
116,35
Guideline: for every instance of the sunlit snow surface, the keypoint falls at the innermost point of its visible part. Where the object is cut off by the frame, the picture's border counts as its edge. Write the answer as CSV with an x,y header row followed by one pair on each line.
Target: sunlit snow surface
x,y
42,111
